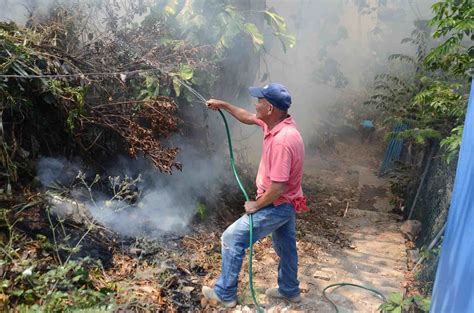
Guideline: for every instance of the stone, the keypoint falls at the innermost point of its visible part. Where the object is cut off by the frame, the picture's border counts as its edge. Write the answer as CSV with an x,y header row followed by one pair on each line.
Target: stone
x,y
136,251
410,229
187,289
213,302
70,210
413,255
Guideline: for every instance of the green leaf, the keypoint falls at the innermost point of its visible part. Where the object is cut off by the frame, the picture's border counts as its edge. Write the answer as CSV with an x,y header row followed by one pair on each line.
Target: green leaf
x,y
275,21
77,278
143,94
232,12
395,298
156,92
425,304
171,8
185,72
5,284
177,86
287,40
257,37
17,292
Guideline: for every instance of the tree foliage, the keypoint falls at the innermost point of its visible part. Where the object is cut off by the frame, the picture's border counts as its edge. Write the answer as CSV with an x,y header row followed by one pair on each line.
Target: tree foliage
x,y
454,24
113,86
431,97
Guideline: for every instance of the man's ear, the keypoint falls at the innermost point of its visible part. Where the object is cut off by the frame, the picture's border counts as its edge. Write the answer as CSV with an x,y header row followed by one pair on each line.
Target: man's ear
x,y
270,109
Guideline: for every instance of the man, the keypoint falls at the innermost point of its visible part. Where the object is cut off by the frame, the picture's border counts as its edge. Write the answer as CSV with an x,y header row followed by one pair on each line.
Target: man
x,y
279,196
367,130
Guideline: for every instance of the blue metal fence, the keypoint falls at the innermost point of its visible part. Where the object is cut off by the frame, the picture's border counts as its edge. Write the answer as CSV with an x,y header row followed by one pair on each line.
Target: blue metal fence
x,y
393,151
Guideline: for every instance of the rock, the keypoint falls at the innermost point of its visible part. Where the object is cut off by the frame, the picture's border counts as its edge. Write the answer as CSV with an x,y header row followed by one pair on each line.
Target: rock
x,y
213,302
203,302
413,255
187,289
304,288
69,210
136,251
410,229
321,275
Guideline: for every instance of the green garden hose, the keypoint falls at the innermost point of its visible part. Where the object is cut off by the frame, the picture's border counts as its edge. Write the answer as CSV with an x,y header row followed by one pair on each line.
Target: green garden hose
x,y
380,295
232,160
229,141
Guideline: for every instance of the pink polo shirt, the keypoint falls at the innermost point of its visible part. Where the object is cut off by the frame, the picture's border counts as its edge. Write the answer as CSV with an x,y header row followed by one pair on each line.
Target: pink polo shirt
x,y
282,161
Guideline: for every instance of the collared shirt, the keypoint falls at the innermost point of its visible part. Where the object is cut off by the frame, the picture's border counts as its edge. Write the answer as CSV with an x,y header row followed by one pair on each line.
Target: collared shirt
x,y
282,161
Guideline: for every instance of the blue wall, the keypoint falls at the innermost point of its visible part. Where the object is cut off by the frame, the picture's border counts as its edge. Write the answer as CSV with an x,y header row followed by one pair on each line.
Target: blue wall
x,y
454,283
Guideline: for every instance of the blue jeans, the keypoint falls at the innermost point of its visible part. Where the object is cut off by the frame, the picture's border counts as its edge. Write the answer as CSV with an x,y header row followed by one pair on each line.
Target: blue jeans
x,y
278,220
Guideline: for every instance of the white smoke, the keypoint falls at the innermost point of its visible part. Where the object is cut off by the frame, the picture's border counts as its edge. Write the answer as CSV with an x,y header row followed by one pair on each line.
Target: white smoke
x,y
20,11
51,170
167,202
350,38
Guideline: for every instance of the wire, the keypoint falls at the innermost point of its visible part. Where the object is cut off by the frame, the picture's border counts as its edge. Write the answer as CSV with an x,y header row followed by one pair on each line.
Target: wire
x,y
82,75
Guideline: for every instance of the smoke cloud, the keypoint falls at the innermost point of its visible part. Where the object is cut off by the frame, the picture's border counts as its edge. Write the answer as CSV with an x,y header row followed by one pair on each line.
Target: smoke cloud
x,y
50,170
340,47
166,203
20,11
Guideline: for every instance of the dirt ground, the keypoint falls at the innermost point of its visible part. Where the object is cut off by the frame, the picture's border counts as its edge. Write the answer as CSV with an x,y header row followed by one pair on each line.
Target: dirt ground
x,y
350,235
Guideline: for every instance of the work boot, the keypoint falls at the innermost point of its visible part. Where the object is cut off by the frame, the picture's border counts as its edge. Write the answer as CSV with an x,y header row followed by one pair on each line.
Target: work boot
x,y
210,294
275,293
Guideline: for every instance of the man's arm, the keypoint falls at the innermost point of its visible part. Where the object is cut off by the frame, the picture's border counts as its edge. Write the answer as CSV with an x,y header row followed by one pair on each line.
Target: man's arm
x,y
269,196
240,114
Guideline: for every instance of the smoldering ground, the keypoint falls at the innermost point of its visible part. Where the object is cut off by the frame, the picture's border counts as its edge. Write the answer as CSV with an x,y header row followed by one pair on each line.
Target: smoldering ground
x,y
134,199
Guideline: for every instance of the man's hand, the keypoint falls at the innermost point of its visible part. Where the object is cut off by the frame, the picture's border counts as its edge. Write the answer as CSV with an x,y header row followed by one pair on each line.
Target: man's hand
x,y
251,207
240,114
215,104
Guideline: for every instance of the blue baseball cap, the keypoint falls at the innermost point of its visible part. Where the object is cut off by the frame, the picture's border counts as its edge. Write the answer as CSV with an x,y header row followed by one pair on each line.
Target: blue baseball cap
x,y
276,94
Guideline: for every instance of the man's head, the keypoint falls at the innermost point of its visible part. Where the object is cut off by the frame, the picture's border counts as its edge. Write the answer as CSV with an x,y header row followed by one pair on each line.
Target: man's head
x,y
274,100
